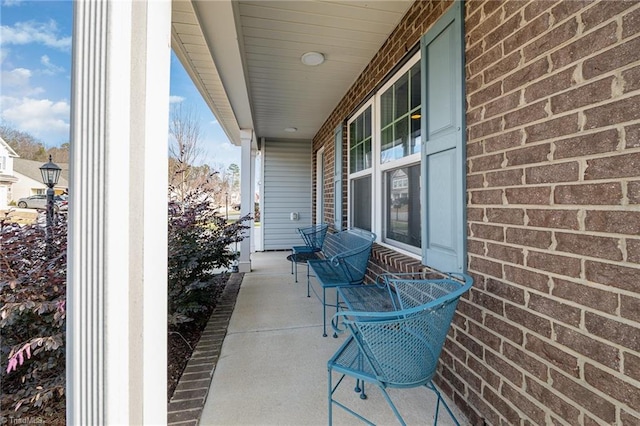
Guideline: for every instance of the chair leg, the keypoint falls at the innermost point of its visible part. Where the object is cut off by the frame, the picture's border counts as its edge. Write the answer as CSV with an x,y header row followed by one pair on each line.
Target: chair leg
x,y
324,312
432,387
341,405
392,405
335,335
330,397
359,387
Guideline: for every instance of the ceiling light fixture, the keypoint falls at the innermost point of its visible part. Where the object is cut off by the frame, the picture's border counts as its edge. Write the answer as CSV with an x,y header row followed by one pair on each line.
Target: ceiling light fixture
x,y
291,129
312,58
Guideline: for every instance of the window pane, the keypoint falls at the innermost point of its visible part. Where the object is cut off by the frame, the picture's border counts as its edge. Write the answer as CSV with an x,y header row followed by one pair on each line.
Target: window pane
x,y
359,159
402,96
403,205
400,134
416,140
402,138
367,124
386,107
367,154
361,203
360,142
415,85
386,143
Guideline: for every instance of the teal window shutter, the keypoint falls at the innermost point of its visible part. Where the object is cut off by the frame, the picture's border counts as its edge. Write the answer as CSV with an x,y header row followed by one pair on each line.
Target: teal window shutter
x,y
444,236
337,179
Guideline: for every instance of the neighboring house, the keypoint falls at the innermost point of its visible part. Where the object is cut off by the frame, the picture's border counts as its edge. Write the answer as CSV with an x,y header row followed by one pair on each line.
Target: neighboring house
x,y
516,125
7,176
29,179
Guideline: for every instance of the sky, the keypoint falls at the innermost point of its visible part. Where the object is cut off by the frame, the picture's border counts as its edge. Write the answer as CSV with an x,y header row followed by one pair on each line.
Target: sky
x,y
35,80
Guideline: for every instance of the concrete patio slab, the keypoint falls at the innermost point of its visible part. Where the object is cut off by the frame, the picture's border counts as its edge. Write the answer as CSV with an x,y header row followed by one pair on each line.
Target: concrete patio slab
x,y
273,364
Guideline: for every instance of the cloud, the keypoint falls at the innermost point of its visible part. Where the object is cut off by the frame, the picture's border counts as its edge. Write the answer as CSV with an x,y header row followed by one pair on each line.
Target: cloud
x,y
50,69
8,3
16,82
176,99
28,32
45,119
3,54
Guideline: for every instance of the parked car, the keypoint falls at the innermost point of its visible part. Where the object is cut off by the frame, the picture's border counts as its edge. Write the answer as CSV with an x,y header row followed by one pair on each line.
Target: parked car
x,y
40,202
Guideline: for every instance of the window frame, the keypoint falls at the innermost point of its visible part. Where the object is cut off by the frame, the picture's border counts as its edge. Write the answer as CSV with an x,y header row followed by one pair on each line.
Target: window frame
x,y
383,168
378,170
364,172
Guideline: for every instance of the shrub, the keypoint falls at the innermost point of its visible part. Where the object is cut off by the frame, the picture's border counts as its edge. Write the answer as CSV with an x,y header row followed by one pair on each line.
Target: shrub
x,y
33,295
32,316
200,240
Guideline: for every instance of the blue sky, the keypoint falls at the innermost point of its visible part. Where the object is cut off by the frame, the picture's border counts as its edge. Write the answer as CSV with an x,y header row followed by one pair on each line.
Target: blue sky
x,y
35,85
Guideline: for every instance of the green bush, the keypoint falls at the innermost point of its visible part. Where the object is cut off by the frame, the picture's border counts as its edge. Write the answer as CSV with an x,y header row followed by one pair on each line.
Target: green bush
x,y
33,295
200,241
32,317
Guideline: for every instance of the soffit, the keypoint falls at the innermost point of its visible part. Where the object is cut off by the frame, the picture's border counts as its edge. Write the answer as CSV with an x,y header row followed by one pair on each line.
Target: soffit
x,y
244,57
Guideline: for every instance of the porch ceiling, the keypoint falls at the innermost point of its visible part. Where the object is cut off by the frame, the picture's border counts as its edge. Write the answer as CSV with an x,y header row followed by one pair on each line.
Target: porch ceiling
x,y
244,57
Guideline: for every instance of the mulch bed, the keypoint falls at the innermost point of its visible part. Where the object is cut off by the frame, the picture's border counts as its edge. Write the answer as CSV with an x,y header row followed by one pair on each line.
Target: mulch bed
x,y
180,344
182,340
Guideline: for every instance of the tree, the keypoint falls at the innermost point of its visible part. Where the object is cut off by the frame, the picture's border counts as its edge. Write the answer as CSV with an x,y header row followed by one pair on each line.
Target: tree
x,y
184,150
234,170
29,147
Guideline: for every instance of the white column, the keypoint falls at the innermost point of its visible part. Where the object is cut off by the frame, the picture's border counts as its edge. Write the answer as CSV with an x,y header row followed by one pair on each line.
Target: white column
x,y
253,199
117,283
247,198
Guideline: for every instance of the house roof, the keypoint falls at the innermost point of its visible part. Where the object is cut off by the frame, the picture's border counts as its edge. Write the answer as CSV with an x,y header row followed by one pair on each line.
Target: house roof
x,y
244,58
12,153
31,169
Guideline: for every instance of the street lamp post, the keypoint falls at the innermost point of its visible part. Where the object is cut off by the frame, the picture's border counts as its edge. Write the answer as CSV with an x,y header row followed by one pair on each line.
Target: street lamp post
x,y
50,175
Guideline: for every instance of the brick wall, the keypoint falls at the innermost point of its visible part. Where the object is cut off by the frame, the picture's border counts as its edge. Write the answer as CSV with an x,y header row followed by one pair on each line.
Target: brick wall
x,y
553,161
550,333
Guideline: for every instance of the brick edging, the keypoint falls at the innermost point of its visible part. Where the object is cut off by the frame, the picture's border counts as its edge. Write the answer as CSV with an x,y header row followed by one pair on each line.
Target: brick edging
x,y
187,402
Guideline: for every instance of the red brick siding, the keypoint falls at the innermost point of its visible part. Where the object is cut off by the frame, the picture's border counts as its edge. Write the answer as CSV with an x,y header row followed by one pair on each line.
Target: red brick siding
x,y
550,333
550,114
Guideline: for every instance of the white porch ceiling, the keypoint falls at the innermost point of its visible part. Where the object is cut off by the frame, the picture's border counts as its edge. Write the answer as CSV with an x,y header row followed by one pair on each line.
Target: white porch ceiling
x,y
244,57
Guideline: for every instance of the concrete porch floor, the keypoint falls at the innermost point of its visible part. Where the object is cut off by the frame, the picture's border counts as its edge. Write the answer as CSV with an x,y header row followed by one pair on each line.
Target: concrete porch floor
x,y
272,367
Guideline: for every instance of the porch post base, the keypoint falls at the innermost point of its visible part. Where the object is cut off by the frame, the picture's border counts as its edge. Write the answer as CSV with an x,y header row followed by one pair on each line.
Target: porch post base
x,y
244,266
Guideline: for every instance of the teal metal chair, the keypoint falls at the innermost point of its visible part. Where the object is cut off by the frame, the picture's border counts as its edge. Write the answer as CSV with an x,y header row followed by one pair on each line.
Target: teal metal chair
x,y
313,237
398,348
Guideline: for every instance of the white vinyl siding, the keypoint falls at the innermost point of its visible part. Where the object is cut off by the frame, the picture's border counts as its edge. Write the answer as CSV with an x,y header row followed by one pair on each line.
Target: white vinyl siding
x,y
287,189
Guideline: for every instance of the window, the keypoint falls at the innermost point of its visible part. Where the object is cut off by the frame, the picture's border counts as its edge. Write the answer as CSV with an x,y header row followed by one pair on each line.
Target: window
x,y
403,205
360,169
400,129
384,161
400,117
361,203
360,142
406,156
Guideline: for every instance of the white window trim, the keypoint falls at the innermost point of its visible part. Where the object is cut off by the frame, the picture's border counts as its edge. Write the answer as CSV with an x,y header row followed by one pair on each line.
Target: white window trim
x,y
377,169
381,168
365,172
